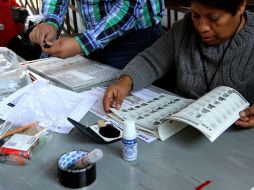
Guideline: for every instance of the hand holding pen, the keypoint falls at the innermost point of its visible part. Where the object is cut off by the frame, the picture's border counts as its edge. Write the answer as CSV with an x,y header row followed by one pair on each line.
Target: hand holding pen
x,y
46,45
43,32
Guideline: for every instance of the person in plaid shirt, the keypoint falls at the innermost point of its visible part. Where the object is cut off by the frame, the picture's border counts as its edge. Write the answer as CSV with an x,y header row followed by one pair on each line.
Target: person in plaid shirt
x,y
115,30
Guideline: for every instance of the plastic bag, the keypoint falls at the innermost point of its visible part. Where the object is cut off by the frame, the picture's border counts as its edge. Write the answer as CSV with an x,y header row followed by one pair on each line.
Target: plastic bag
x,y
8,60
47,105
13,80
12,75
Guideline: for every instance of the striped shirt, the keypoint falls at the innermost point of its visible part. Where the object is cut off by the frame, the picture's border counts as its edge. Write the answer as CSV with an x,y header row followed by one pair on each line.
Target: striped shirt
x,y
106,20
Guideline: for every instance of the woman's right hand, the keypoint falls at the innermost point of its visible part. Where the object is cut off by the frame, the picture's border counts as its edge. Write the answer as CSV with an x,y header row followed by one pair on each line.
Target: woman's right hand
x,y
115,93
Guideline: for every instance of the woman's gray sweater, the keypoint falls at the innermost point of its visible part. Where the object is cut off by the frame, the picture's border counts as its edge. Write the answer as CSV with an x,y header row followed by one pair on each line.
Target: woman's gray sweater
x,y
180,48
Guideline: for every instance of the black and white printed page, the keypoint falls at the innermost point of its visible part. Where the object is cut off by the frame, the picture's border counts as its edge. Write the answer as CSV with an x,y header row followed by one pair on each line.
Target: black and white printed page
x,y
214,112
75,73
152,115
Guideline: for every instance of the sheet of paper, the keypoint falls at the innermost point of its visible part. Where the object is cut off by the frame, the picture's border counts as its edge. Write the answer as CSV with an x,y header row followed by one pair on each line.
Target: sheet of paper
x,y
136,97
145,136
145,94
5,109
79,75
76,73
151,113
84,106
140,134
214,112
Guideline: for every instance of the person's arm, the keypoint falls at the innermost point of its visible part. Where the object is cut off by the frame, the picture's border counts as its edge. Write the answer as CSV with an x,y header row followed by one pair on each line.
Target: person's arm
x,y
115,93
53,12
140,72
147,66
246,118
120,20
152,63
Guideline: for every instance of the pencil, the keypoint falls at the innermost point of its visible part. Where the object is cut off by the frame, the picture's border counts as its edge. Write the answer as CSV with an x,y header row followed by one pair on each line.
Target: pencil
x,y
19,129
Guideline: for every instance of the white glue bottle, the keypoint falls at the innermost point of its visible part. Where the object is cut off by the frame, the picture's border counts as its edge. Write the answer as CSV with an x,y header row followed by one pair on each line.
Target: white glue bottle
x,y
129,140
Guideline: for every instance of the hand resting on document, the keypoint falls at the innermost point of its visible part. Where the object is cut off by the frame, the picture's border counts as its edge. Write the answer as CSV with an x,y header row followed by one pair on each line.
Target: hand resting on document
x,y
115,93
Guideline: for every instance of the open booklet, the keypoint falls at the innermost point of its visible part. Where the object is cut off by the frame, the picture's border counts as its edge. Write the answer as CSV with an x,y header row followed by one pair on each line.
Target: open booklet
x,y
166,114
75,73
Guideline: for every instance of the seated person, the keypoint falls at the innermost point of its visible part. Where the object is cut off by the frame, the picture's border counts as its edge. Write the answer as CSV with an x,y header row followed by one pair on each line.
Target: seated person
x,y
211,46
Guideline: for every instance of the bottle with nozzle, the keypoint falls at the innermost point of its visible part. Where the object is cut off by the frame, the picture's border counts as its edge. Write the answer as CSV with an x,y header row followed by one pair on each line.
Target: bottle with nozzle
x,y
91,158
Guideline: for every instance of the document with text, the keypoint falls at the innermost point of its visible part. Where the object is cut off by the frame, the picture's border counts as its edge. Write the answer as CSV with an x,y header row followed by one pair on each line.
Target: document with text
x,y
75,73
166,114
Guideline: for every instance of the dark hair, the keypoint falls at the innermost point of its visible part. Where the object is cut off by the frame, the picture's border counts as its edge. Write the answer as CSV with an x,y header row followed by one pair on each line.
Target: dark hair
x,y
227,5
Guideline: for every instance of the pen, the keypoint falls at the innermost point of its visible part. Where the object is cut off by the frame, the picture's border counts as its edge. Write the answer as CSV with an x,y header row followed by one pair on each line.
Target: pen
x,y
17,130
33,78
12,159
10,104
46,45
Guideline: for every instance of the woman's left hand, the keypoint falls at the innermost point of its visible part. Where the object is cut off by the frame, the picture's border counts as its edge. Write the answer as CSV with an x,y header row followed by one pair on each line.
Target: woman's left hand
x,y
246,119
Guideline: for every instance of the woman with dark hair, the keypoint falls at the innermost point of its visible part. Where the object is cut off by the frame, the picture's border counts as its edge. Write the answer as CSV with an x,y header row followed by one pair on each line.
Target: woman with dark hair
x,y
211,46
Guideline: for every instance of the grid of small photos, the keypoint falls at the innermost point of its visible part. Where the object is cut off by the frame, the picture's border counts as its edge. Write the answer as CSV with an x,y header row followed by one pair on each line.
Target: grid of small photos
x,y
215,108
150,114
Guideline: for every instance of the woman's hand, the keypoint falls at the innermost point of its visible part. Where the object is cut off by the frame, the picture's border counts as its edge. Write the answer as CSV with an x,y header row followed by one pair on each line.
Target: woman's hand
x,y
246,119
115,93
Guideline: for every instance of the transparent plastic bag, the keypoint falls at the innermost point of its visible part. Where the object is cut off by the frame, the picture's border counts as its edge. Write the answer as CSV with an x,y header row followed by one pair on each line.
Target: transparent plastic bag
x,y
45,104
13,80
8,60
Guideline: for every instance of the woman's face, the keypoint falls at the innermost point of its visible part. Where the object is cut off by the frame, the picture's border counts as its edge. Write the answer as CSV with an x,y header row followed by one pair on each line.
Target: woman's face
x,y
215,26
